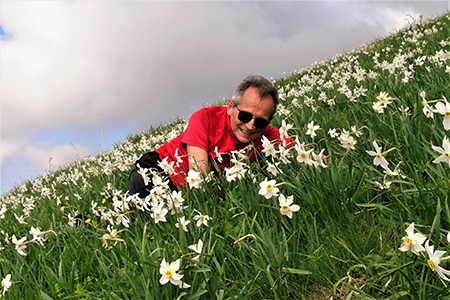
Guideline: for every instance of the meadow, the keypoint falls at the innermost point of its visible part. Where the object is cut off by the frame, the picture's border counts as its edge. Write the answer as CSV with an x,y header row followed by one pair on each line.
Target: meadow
x,y
357,209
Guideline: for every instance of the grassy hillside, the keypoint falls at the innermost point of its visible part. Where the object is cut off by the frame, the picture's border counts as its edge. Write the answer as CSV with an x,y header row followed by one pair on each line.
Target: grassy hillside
x,y
293,225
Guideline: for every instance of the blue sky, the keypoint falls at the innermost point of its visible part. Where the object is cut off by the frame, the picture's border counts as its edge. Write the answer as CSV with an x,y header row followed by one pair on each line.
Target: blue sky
x,y
80,76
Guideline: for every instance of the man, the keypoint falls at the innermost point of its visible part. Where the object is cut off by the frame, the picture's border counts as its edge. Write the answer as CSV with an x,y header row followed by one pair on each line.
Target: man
x,y
213,132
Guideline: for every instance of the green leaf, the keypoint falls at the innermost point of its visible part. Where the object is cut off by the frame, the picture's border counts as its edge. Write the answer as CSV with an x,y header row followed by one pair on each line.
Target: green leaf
x,y
45,296
296,271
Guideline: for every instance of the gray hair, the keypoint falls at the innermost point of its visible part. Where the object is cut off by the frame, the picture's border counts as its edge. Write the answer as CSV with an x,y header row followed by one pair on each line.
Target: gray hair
x,y
266,88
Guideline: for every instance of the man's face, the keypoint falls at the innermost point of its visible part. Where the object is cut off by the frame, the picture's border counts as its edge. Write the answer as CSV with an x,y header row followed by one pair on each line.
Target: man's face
x,y
258,107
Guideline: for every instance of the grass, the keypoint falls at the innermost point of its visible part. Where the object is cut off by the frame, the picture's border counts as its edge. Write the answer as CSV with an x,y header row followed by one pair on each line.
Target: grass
x,y
344,240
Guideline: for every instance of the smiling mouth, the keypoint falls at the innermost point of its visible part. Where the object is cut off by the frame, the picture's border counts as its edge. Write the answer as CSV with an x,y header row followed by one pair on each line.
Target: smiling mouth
x,y
245,132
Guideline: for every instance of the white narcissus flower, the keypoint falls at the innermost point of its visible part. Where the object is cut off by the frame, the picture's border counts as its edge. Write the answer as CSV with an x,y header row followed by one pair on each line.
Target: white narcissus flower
x,y
312,129
333,133
384,185
159,213
20,219
2,212
183,223
285,205
144,173
428,110
177,199
268,188
318,159
347,141
169,272
166,166
37,235
445,151
355,131
194,179
444,109
268,147
284,155
272,168
378,107
6,283
197,248
435,259
412,241
201,219
303,155
284,128
378,159
179,159
122,219
19,244
384,98
218,156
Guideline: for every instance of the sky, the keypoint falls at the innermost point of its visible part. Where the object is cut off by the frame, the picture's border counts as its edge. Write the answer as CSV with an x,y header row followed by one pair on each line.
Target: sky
x,y
77,77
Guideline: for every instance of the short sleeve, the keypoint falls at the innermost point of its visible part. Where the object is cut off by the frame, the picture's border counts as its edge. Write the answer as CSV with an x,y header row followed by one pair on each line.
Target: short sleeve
x,y
197,131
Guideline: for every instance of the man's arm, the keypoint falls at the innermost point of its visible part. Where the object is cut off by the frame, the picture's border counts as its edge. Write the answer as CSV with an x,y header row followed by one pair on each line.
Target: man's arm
x,y
200,157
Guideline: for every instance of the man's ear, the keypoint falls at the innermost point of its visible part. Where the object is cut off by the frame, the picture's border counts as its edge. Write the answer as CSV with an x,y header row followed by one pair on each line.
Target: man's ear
x,y
230,106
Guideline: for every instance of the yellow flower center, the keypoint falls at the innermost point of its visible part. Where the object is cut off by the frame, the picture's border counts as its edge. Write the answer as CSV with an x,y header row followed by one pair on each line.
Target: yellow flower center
x,y
318,160
168,273
157,215
303,155
447,155
285,208
349,143
431,264
192,180
269,187
408,241
447,113
378,156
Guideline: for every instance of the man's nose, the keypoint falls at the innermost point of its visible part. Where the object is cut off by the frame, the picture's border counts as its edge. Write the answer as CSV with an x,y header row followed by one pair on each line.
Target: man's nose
x,y
251,124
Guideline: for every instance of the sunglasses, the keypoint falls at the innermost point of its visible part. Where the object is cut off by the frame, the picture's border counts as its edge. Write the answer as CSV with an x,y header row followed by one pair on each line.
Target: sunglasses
x,y
245,117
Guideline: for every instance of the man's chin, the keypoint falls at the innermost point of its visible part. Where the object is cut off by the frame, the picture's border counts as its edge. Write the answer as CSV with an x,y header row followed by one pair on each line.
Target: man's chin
x,y
245,138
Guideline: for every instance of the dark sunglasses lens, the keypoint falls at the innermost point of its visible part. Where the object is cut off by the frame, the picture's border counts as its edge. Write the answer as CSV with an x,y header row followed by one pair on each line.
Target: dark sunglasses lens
x,y
244,116
261,123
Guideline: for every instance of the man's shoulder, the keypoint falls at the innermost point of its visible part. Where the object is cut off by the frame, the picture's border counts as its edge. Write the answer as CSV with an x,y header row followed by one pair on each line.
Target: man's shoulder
x,y
209,118
213,109
210,114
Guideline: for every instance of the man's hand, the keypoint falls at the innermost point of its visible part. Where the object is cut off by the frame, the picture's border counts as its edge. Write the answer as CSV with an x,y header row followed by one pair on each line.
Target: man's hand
x,y
198,159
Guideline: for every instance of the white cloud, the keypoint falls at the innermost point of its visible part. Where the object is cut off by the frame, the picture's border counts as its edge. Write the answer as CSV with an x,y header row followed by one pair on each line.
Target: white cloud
x,y
11,147
47,157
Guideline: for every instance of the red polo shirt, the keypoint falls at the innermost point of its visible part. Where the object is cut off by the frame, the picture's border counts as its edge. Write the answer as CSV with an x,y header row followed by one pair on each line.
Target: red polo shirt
x,y
209,128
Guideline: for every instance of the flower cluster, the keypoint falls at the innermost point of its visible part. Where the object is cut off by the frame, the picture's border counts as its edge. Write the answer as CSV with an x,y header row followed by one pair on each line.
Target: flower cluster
x,y
413,241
